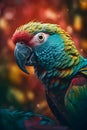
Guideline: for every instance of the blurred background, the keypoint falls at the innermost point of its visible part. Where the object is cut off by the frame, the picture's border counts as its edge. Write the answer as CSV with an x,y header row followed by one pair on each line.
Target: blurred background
x,y
21,91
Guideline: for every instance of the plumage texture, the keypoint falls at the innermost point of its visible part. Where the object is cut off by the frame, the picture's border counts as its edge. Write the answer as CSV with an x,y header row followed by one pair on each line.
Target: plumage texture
x,y
65,56
15,120
59,66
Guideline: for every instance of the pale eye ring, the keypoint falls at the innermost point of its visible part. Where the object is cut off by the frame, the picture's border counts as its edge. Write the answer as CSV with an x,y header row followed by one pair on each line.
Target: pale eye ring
x,y
41,37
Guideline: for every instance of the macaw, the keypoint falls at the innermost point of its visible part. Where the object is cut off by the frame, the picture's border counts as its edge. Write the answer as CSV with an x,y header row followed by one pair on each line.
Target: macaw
x,y
59,66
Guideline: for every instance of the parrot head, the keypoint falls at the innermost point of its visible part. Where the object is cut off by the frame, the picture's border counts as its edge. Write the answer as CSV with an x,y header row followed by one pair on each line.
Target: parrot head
x,y
45,45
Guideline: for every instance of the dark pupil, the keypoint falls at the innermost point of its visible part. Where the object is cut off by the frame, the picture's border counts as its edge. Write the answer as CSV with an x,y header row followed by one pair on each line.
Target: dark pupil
x,y
40,37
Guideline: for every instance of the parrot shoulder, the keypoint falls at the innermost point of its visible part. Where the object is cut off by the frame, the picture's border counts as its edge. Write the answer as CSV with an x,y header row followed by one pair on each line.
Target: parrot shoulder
x,y
76,100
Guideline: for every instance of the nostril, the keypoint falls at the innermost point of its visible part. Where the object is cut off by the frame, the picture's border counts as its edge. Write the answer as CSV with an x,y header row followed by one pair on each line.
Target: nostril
x,y
21,42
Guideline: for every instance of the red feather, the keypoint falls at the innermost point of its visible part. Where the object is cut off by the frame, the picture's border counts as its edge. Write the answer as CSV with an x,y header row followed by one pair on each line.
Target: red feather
x,y
21,36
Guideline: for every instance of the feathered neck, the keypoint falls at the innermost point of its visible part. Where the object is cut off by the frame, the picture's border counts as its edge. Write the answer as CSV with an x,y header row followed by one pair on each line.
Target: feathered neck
x,y
55,77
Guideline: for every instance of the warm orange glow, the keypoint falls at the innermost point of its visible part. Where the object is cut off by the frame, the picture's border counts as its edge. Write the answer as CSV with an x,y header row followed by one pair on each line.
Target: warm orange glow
x,y
77,23
15,74
83,4
51,14
69,29
4,25
30,95
83,44
42,105
18,95
10,44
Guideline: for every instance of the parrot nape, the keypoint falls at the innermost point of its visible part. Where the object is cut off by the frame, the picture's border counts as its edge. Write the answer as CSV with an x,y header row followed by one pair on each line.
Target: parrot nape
x,y
59,66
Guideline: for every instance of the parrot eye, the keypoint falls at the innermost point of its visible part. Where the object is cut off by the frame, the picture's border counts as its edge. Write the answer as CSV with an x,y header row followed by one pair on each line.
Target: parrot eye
x,y
39,38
